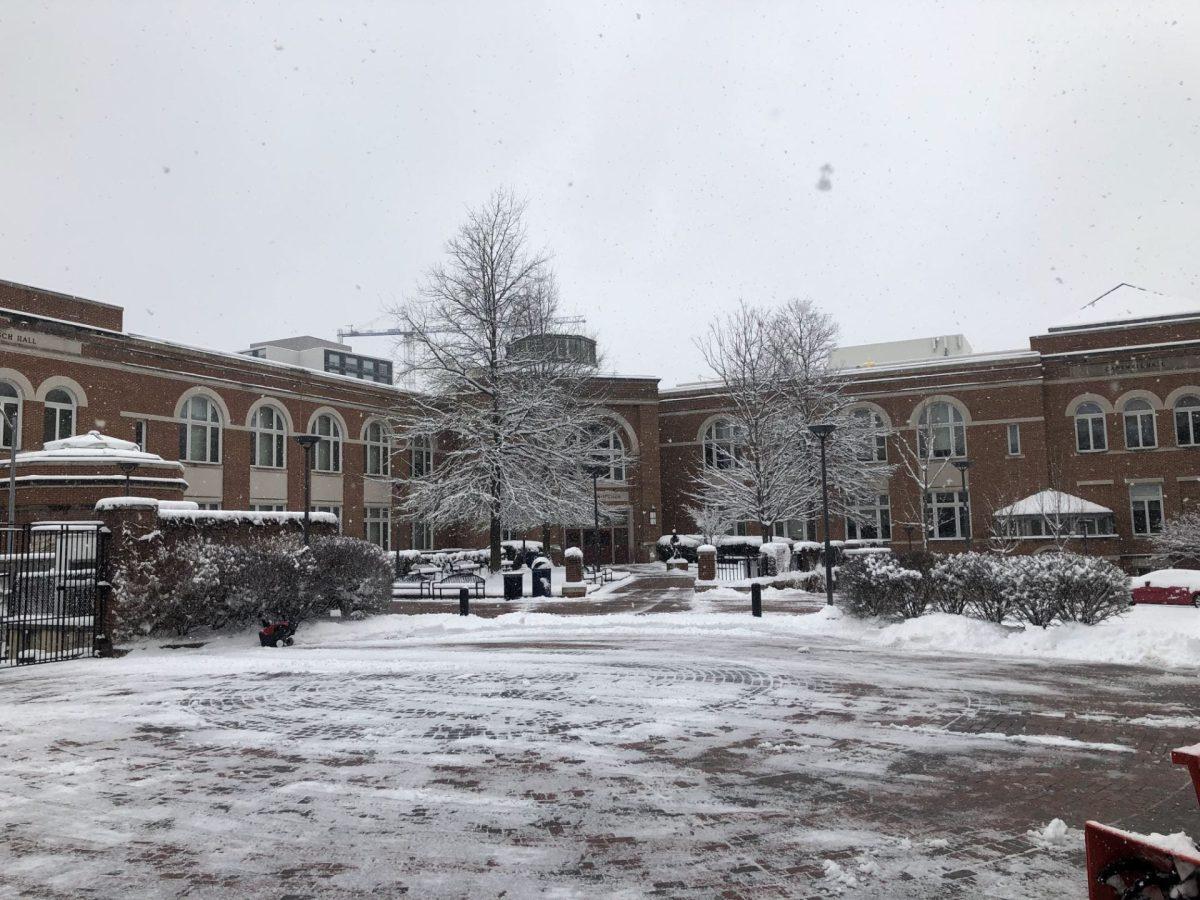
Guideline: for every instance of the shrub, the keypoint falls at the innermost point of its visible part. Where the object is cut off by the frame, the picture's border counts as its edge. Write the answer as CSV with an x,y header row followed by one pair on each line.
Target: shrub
x,y
272,579
813,582
171,591
351,575
686,547
774,558
1088,590
975,583
880,586
1035,588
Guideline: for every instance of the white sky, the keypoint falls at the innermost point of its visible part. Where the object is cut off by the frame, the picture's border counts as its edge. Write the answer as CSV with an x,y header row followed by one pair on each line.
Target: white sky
x,y
234,172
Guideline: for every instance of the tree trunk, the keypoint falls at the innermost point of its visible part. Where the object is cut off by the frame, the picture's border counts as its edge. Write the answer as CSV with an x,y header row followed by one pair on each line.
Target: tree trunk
x,y
494,542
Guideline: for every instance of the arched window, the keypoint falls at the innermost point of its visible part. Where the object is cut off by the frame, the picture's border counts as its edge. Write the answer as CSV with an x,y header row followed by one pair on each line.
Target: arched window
x,y
608,452
723,445
378,449
200,431
422,456
874,442
1187,421
1140,433
10,412
269,436
942,432
1090,434
59,416
327,455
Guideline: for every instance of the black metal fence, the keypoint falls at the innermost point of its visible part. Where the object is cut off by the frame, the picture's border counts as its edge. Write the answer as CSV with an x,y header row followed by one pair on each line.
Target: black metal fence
x,y
51,596
735,568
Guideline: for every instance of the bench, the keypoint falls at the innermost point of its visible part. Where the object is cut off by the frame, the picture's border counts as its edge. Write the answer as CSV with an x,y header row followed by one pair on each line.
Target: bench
x,y
417,579
455,581
601,575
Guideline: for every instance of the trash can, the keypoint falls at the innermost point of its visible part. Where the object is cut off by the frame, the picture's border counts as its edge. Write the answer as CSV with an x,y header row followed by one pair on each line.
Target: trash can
x,y
541,577
512,585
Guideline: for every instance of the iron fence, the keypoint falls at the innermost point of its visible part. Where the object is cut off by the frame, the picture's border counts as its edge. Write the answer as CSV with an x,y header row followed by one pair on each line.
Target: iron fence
x,y
52,598
735,568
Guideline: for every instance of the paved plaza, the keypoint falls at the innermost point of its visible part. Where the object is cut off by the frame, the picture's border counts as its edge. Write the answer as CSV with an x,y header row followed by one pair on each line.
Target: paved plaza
x,y
663,754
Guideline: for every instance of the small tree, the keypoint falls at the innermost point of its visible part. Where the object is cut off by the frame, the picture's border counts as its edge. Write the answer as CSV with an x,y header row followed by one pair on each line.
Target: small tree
x,y
924,470
351,575
712,521
1179,541
515,421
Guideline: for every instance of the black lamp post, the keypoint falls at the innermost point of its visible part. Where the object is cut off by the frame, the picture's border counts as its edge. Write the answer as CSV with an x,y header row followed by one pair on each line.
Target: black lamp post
x,y
307,441
822,431
13,421
127,470
962,465
596,470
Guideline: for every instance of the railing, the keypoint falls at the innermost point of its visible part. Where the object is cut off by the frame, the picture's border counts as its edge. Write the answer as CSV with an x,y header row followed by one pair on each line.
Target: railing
x,y
51,598
736,568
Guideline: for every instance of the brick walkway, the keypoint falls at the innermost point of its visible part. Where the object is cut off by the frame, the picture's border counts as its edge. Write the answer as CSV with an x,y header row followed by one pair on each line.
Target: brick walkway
x,y
518,759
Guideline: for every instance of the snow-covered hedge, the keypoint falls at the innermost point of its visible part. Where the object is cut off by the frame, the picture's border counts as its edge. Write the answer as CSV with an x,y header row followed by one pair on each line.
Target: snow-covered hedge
x,y
775,558
352,575
879,586
197,582
1037,590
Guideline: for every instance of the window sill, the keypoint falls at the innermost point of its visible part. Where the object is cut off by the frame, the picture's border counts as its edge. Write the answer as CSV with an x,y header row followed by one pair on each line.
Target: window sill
x,y
207,465
1140,449
268,468
1090,452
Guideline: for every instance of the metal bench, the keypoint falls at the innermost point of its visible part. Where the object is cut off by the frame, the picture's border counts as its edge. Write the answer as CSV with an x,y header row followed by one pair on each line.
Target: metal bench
x,y
601,575
455,581
413,579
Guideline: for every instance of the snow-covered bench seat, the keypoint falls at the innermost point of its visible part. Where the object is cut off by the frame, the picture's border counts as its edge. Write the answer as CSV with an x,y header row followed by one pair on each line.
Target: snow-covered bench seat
x,y
455,581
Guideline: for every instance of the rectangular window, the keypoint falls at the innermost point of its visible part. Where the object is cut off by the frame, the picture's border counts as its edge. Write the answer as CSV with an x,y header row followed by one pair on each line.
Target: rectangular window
x,y
1146,505
1139,431
871,521
336,510
377,522
422,536
267,507
140,432
209,504
1014,439
947,515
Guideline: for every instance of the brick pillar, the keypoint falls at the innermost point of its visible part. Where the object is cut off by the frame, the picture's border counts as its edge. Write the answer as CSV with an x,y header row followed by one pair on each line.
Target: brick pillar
x,y
127,519
706,568
573,585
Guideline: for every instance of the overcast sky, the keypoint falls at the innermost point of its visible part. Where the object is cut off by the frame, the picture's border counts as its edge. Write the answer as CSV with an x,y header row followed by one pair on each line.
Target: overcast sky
x,y
231,172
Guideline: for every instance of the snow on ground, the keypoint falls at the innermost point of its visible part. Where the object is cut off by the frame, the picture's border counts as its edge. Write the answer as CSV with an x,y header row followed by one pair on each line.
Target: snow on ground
x,y
681,754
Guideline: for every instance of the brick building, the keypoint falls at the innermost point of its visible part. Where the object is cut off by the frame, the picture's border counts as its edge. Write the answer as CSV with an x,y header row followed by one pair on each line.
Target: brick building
x,y
1107,412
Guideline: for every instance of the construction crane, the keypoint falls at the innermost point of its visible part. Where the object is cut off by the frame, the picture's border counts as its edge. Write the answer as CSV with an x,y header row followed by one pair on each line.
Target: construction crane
x,y
344,333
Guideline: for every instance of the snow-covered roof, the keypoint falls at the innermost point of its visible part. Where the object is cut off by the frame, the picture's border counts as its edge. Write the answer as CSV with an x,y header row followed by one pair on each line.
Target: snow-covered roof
x,y
1128,302
1051,502
91,448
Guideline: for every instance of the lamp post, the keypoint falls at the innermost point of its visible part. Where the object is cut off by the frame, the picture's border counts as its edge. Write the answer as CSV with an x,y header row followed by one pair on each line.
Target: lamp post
x,y
822,431
127,470
962,465
13,421
307,441
596,470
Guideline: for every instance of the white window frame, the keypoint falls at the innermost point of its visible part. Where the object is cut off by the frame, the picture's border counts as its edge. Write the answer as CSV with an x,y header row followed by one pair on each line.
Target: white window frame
x,y
1140,414
193,422
1090,419
422,536
327,454
271,434
422,456
268,507
949,435
1014,439
876,516
377,449
723,445
1152,496
11,404
377,526
334,508
1187,407
608,451
875,424
58,419
959,502
141,434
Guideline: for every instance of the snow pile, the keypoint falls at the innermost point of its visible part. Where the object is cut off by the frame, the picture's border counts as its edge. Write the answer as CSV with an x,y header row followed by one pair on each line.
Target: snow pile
x,y
573,553
777,556
1056,833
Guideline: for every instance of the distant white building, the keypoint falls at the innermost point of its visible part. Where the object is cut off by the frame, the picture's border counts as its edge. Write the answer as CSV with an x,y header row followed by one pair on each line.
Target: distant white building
x,y
323,356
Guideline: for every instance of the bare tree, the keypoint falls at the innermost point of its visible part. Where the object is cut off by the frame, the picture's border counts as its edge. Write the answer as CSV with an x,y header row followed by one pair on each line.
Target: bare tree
x,y
920,464
516,423
775,368
1179,540
712,521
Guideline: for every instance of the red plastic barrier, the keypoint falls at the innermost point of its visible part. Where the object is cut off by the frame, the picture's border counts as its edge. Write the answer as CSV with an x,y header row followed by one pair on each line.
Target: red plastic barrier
x,y
1190,757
